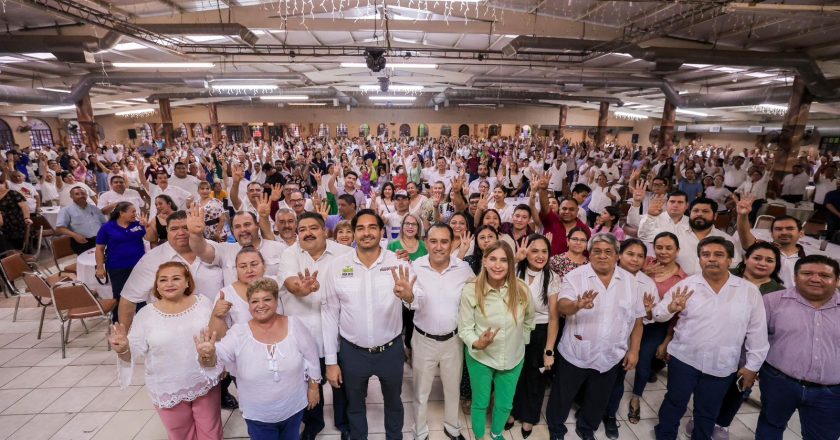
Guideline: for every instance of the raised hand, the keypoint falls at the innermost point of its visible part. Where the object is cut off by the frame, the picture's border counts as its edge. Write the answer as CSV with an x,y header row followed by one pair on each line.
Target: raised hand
x,y
205,345
542,182
276,192
654,269
118,338
484,201
403,286
587,300
144,221
679,299
264,206
486,338
403,254
522,250
237,172
639,191
222,306
195,220
744,203
649,302
466,241
309,282
657,202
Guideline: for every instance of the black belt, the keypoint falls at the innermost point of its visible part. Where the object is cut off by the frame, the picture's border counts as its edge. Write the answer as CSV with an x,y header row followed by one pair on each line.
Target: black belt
x,y
804,383
378,349
439,338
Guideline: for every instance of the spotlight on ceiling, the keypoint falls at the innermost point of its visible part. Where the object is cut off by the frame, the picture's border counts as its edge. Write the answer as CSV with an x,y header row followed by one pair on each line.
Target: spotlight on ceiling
x,y
375,59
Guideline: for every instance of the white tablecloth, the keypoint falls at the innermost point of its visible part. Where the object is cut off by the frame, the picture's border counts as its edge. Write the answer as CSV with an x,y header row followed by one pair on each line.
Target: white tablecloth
x,y
86,273
51,214
810,245
801,211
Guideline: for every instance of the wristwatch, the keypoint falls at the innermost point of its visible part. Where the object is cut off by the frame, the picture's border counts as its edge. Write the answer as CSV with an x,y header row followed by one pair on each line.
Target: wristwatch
x,y
549,352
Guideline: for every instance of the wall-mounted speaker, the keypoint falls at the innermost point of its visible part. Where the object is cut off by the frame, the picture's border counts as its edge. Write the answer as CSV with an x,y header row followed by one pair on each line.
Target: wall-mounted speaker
x,y
132,133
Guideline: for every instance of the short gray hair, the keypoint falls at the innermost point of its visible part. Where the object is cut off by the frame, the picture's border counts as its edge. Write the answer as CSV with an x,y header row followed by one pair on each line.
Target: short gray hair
x,y
603,237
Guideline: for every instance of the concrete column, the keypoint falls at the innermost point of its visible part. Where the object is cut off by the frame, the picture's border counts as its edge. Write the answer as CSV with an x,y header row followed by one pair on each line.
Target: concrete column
x,y
561,122
84,114
166,121
214,123
666,128
603,118
793,127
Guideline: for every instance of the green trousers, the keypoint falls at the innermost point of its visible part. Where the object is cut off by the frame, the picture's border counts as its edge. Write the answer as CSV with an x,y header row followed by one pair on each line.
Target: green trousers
x,y
484,379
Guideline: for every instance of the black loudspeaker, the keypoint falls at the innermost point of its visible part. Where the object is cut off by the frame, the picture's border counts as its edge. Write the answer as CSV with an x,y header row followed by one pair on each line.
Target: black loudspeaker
x,y
132,133
635,138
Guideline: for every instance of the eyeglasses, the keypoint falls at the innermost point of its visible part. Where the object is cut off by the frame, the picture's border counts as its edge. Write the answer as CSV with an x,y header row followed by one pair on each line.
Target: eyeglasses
x,y
578,240
410,225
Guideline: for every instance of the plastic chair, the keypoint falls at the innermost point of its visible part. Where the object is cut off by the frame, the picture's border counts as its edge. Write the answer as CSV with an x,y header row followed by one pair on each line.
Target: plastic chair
x,y
40,290
12,267
814,229
61,249
775,210
73,300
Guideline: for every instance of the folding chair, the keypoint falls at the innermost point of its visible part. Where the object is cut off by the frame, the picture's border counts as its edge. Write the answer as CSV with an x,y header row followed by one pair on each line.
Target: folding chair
x,y
61,249
74,300
12,267
764,222
40,290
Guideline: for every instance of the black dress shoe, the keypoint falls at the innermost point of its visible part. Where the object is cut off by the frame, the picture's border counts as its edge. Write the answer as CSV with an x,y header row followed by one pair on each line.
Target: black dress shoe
x,y
229,402
611,427
345,435
452,437
525,434
583,436
509,425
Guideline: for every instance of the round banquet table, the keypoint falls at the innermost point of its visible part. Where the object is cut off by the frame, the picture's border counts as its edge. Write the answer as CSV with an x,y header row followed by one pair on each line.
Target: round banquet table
x,y
810,245
801,211
51,214
86,273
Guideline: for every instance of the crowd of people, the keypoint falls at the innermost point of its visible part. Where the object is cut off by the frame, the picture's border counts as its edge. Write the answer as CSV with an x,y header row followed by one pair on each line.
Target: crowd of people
x,y
511,266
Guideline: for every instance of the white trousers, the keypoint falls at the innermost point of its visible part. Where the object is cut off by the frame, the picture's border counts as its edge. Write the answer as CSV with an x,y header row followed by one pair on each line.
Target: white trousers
x,y
427,354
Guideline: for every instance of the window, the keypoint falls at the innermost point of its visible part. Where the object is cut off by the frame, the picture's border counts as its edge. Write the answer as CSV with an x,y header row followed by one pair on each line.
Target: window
x,y
256,132
464,130
492,131
183,132
198,131
146,133
7,138
342,131
235,133
405,130
74,130
827,144
446,130
364,130
323,131
40,134
526,132
294,130
422,130
382,130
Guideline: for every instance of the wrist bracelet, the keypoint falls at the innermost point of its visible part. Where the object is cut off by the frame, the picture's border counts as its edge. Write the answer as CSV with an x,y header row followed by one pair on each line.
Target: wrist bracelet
x,y
127,349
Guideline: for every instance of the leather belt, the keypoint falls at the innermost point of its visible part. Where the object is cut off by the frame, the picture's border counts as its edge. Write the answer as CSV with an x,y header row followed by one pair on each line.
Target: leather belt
x,y
439,338
804,383
378,349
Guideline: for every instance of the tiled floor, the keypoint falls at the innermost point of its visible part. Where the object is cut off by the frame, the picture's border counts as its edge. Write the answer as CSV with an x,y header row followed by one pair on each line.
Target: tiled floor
x,y
43,396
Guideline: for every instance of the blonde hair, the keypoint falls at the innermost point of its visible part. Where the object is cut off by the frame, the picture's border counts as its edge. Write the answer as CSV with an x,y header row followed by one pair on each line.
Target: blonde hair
x,y
517,290
263,285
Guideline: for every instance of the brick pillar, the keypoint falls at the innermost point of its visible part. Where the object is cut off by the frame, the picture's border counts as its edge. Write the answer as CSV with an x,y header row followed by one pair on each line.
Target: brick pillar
x,y
603,118
666,128
84,114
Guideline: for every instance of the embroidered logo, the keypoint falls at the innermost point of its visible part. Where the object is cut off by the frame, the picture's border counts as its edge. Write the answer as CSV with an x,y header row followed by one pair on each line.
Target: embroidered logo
x,y
347,272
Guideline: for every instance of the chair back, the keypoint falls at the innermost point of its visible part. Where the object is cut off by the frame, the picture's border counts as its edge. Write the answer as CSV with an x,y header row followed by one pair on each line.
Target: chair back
x,y
61,248
71,295
775,210
13,267
814,229
723,221
39,221
37,285
764,222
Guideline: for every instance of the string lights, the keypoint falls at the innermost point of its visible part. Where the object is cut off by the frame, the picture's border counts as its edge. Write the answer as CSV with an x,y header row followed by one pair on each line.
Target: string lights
x,y
138,113
770,109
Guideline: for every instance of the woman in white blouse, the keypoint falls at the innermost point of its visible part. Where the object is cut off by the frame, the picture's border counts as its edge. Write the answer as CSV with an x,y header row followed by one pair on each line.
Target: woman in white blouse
x,y
543,284
275,361
186,396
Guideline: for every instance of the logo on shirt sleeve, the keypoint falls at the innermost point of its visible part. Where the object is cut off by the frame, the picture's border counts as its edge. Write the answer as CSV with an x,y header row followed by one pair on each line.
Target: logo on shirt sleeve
x,y
347,272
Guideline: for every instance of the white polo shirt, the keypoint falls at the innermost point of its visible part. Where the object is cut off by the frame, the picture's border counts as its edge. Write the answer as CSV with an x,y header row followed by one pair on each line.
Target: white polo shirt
x,y
714,326
129,195
597,338
687,258
437,296
226,257
138,288
308,308
359,303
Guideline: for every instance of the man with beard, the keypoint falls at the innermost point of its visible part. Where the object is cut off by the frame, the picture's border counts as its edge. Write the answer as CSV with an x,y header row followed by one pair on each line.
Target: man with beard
x,y
362,324
656,221
483,173
246,231
435,322
785,232
305,266
285,223
701,224
719,314
557,218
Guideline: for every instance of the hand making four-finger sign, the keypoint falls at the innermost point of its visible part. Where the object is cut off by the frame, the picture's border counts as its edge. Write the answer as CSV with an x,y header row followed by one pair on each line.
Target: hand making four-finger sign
x,y
649,302
309,281
679,299
118,338
403,285
587,300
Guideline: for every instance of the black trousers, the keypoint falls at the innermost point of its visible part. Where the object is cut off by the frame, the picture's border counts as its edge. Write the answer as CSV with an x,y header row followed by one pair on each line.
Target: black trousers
x,y
357,367
313,419
530,390
118,278
80,248
568,380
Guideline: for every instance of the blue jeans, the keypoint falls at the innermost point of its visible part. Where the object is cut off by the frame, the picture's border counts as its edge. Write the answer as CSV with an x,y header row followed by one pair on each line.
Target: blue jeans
x,y
288,429
819,407
683,381
653,335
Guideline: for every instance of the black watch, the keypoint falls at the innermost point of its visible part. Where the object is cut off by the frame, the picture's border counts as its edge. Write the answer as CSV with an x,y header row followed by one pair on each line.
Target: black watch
x,y
549,352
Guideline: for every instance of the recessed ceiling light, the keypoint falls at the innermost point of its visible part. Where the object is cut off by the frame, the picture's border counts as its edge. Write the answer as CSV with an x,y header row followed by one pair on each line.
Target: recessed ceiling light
x,y
175,65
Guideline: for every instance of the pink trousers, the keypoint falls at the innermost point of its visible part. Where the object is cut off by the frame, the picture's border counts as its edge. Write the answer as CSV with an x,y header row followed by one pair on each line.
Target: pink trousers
x,y
200,419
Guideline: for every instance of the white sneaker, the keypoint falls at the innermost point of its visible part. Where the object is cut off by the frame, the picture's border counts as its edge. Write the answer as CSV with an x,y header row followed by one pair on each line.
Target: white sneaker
x,y
720,433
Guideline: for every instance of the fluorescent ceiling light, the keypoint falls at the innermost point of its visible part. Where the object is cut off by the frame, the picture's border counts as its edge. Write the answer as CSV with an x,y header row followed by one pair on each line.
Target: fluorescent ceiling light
x,y
476,105
630,115
395,66
125,47
122,102
135,112
204,38
759,74
394,103
244,86
284,98
775,106
50,89
683,92
697,66
691,112
392,88
176,65
392,98
311,104
728,69
40,55
137,99
10,60
638,106
58,108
